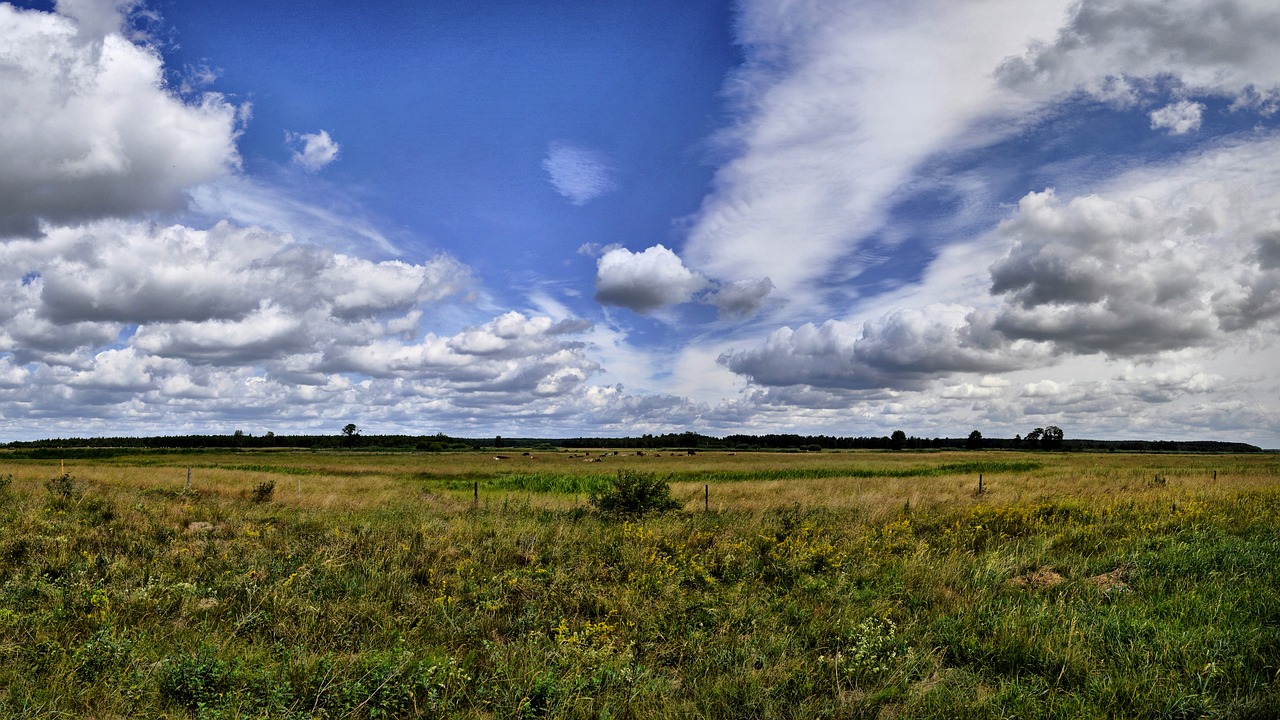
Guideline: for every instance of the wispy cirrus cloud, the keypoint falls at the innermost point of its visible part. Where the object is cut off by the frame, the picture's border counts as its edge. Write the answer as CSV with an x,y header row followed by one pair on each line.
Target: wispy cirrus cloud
x,y
579,174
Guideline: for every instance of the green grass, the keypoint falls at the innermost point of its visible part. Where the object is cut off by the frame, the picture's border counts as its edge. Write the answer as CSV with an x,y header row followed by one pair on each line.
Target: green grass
x,y
124,599
584,484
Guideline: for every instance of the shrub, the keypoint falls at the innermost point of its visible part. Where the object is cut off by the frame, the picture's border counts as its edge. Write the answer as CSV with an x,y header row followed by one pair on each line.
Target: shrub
x,y
263,491
5,482
635,493
63,486
195,679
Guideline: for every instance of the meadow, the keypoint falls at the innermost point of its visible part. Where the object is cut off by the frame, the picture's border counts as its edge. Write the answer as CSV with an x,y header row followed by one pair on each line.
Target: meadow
x,y
790,585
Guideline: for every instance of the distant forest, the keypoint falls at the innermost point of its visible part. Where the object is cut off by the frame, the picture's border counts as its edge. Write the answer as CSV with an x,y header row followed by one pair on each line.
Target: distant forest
x,y
350,439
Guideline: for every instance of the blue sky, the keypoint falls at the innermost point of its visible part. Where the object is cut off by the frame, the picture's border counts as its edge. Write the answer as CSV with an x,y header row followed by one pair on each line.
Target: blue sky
x,y
614,218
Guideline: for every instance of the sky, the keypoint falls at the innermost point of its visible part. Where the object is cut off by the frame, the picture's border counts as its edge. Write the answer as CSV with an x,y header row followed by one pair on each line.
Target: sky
x,y
610,218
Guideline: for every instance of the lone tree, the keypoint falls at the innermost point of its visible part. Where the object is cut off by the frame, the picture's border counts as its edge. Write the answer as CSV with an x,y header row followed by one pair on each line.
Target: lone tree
x,y
975,441
350,433
898,440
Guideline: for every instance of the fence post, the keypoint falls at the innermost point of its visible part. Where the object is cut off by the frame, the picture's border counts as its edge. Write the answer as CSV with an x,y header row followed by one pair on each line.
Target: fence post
x,y
475,495
979,483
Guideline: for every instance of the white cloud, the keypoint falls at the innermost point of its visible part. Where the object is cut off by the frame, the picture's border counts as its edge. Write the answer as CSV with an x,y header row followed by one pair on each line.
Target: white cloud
x,y
1218,47
310,210
645,281
89,129
838,105
902,350
222,295
579,174
96,18
1167,258
312,151
595,250
1178,118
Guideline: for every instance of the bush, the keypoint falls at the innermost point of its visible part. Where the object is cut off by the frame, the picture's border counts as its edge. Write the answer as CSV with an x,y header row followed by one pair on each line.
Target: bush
x,y
195,679
635,493
63,486
263,491
5,482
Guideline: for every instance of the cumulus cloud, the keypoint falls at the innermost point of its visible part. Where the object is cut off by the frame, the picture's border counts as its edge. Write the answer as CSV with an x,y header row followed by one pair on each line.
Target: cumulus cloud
x,y
90,130
312,151
226,294
645,281
1178,118
512,354
132,322
902,350
1111,47
579,174
1175,266
96,18
1172,258
1093,276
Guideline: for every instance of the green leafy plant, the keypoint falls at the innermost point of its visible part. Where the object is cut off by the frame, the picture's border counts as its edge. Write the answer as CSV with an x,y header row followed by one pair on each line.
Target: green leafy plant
x,y
635,493
195,679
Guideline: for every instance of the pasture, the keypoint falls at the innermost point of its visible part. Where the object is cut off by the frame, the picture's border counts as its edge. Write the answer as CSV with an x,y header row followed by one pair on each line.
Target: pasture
x,y
836,584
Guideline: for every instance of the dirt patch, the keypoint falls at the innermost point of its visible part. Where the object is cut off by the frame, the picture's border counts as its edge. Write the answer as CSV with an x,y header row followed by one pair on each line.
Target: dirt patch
x,y
1045,577
1115,581
199,527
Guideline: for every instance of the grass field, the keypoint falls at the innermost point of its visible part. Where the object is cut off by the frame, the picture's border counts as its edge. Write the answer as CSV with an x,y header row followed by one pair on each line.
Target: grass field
x,y
857,585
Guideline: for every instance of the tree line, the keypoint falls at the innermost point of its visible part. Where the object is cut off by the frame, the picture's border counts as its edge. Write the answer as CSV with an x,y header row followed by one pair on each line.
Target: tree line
x,y
350,438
